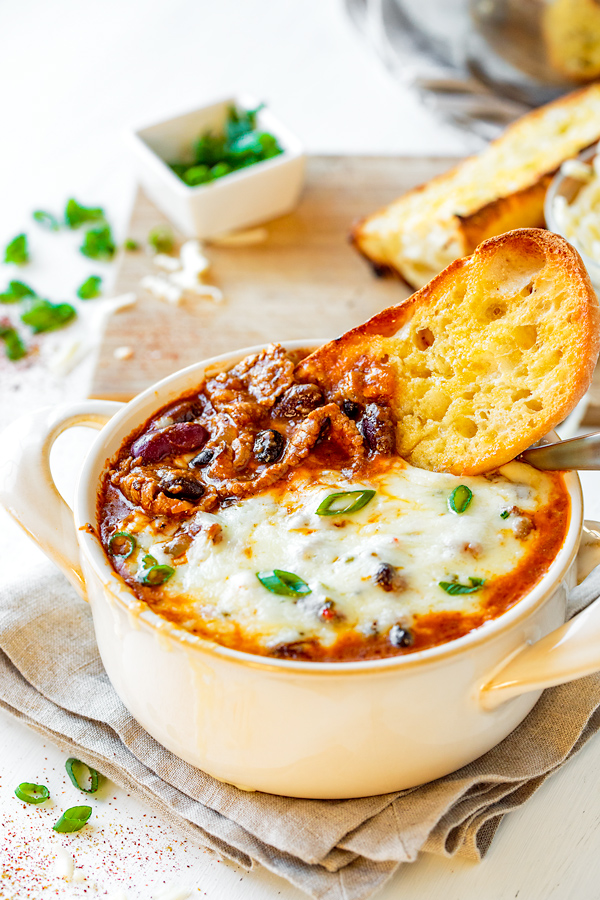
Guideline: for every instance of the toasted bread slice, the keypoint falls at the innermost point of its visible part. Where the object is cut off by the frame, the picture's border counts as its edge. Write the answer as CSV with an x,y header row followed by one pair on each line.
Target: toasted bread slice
x,y
502,188
480,363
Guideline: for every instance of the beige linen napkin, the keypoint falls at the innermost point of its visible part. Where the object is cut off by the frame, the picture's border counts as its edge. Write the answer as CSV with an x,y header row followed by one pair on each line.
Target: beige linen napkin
x,y
52,679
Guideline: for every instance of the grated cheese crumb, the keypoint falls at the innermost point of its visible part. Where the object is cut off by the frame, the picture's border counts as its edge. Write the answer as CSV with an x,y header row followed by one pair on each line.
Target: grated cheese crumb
x,y
123,352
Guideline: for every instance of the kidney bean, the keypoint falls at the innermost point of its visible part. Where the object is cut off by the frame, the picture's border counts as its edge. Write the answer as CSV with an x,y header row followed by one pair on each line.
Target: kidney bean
x,y
298,400
268,446
377,429
351,409
203,459
181,486
179,438
388,578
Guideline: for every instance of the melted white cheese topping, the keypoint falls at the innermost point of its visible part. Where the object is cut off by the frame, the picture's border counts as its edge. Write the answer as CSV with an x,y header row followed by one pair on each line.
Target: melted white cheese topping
x,y
408,524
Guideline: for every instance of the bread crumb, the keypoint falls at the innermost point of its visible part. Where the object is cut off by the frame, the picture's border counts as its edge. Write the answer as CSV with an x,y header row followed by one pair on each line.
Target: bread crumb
x,y
123,352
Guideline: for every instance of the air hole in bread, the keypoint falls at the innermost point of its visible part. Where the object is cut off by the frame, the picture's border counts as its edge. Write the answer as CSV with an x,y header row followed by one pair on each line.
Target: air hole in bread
x,y
527,290
554,358
525,336
520,394
466,427
468,395
535,405
423,338
495,311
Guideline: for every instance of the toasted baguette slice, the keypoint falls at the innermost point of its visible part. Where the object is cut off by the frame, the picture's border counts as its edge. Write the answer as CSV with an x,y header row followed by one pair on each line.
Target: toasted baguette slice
x,y
480,363
502,188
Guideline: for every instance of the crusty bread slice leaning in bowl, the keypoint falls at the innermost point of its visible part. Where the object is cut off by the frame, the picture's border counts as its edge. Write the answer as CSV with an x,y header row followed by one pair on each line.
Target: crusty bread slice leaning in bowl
x,y
485,359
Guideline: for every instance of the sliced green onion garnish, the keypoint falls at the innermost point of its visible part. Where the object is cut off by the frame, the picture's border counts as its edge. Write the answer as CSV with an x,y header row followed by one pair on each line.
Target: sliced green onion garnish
x,y
148,561
122,544
32,793
453,587
286,583
344,503
157,575
504,514
73,819
46,219
459,499
74,769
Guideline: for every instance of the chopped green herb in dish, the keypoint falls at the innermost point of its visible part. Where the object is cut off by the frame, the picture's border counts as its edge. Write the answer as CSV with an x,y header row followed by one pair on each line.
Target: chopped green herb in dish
x,y
286,583
459,499
344,503
16,291
454,587
82,776
42,315
77,215
14,347
161,239
98,243
241,144
32,793
17,251
90,288
122,544
46,219
73,819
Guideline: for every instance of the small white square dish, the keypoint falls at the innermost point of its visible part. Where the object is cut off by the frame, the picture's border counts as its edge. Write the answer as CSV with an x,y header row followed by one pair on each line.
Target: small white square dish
x,y
240,199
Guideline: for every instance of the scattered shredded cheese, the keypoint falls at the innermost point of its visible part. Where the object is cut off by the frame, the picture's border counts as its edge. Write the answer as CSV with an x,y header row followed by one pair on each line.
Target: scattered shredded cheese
x,y
64,864
123,352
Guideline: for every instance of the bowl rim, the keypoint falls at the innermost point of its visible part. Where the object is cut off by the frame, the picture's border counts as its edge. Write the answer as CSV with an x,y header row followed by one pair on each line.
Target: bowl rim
x,y
139,409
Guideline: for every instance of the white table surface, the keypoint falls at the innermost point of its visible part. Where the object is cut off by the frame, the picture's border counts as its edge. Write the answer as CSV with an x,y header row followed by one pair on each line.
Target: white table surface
x,y
74,76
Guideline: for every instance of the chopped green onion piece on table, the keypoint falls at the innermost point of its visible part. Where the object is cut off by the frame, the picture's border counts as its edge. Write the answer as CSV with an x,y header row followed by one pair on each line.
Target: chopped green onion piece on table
x,y
127,542
130,245
90,288
286,583
45,316
14,346
98,243
344,503
459,499
77,215
74,769
46,220
16,291
32,793
157,575
17,251
161,239
454,587
73,819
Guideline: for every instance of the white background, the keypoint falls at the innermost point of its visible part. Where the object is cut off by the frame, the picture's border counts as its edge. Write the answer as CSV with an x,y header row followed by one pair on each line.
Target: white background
x,y
73,77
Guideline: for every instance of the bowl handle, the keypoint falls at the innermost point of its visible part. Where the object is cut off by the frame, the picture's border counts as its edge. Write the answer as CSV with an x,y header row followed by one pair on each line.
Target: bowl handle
x,y
567,653
27,488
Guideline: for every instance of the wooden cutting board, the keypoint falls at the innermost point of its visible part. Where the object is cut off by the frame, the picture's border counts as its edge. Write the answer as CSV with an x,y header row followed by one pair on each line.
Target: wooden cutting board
x,y
304,281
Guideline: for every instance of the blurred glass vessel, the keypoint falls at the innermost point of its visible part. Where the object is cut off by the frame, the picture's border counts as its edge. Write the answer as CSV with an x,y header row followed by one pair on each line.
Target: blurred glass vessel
x,y
482,63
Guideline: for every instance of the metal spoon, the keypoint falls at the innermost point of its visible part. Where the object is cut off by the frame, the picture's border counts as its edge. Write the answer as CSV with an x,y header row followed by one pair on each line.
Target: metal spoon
x,y
576,453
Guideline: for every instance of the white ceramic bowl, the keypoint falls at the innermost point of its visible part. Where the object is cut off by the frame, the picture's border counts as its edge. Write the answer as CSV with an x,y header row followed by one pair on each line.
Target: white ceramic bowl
x,y
565,186
303,729
251,195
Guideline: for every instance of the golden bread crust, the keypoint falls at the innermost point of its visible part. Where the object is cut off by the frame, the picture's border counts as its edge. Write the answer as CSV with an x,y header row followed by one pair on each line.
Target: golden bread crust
x,y
501,188
486,359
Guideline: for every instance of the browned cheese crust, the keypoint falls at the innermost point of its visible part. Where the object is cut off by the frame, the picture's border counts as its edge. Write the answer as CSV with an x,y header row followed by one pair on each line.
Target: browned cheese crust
x,y
484,360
